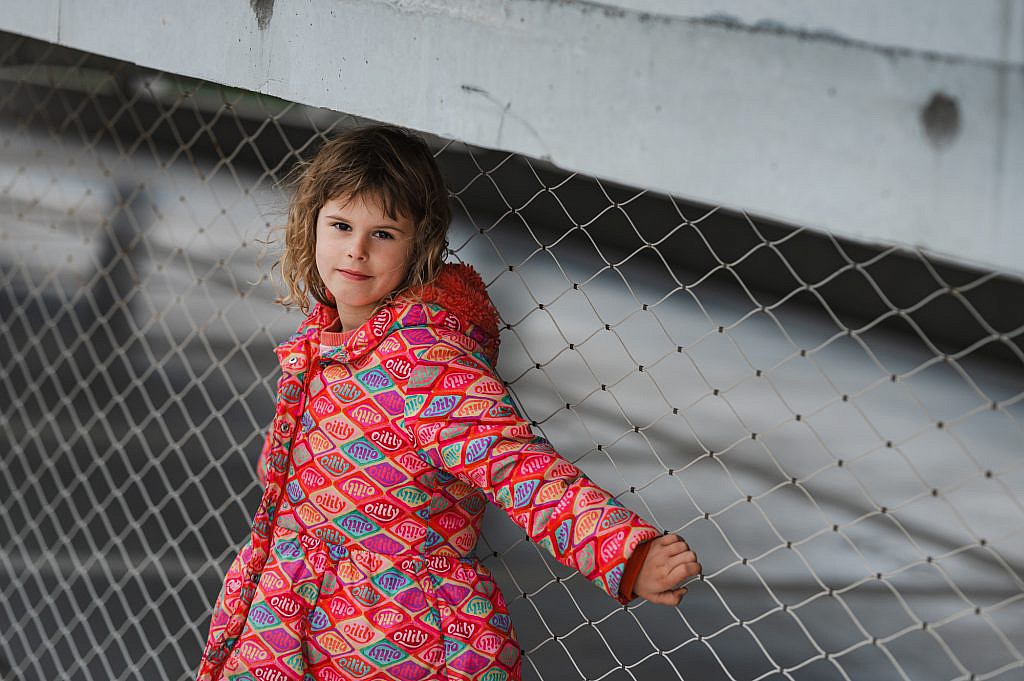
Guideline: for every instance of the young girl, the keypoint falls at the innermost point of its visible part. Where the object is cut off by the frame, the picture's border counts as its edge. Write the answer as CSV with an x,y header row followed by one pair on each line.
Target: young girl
x,y
391,432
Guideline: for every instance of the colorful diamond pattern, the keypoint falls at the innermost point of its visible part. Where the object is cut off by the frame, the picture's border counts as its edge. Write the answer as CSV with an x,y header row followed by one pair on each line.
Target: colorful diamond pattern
x,y
359,565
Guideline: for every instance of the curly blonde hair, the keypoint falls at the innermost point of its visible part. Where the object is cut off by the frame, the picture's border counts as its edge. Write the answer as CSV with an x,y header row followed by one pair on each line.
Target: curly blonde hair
x,y
384,162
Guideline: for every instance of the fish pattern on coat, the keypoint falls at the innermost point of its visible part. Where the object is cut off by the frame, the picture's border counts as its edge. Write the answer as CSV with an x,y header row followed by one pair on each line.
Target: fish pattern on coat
x,y
377,469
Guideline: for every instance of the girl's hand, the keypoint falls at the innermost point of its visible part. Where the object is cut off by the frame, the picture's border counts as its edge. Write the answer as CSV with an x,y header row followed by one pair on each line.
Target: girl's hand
x,y
669,562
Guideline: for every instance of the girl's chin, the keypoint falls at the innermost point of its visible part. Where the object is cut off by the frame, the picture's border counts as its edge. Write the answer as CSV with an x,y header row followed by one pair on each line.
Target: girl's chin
x,y
347,303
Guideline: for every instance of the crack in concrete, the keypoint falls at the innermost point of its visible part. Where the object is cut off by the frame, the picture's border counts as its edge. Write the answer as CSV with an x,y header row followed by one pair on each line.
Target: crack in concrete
x,y
506,112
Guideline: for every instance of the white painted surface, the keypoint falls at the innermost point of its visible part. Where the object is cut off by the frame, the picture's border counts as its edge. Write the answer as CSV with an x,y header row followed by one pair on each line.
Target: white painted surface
x,y
824,133
980,29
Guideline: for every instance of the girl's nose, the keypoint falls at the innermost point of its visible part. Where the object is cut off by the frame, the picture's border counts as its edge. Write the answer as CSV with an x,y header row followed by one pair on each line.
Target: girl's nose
x,y
357,248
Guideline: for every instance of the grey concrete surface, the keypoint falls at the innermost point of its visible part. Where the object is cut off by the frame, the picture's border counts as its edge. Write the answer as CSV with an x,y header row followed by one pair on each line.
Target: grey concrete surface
x,y
900,121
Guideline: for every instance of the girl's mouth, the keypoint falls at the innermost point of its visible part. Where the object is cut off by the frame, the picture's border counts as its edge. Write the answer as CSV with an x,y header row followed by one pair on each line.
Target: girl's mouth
x,y
353,276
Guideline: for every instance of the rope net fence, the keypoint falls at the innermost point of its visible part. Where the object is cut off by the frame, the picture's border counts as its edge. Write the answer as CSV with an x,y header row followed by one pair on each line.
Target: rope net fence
x,y
836,427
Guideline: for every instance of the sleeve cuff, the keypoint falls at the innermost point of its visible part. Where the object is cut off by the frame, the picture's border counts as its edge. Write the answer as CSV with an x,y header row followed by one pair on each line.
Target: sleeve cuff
x,y
632,571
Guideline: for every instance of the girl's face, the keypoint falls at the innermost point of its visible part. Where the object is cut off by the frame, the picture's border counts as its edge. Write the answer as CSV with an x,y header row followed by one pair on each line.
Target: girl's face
x,y
361,254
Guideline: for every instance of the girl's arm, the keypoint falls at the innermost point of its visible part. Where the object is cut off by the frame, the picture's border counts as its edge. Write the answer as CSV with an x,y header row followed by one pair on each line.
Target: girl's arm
x,y
464,421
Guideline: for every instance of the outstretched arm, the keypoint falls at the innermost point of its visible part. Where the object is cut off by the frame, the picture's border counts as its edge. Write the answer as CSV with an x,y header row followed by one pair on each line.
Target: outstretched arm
x,y
464,422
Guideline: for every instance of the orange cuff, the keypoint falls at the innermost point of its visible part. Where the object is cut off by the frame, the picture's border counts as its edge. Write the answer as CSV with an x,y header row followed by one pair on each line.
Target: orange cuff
x,y
632,571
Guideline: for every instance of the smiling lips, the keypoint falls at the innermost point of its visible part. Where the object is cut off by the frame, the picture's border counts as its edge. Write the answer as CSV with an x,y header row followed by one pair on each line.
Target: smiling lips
x,y
353,276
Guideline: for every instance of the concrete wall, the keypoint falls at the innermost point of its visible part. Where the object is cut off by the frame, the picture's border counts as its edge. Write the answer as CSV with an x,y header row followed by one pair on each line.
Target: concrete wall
x,y
981,29
895,124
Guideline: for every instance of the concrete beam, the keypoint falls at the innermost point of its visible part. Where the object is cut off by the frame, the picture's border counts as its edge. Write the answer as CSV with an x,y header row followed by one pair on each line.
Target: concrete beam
x,y
985,30
919,143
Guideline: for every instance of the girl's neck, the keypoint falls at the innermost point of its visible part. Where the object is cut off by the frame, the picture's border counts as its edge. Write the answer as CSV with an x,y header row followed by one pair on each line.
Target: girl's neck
x,y
352,318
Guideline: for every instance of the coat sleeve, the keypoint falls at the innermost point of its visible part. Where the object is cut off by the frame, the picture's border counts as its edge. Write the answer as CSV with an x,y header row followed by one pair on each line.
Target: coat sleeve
x,y
464,421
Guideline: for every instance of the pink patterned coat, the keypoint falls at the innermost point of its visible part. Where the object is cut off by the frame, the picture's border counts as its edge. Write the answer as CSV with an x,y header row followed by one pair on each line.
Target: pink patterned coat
x,y
383,452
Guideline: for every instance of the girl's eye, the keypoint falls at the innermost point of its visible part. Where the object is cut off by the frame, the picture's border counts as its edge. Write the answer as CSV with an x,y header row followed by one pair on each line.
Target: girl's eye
x,y
383,234
341,226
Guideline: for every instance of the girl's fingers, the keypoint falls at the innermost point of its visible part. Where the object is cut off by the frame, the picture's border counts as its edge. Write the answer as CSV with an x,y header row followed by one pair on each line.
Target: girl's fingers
x,y
674,555
675,548
667,547
671,597
683,560
681,571
671,562
668,540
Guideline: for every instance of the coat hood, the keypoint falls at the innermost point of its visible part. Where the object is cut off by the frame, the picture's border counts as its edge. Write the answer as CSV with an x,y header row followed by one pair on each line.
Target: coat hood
x,y
456,300
460,289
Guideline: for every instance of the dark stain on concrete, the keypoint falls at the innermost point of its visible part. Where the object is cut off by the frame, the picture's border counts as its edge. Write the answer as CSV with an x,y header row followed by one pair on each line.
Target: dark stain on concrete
x,y
940,119
264,11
